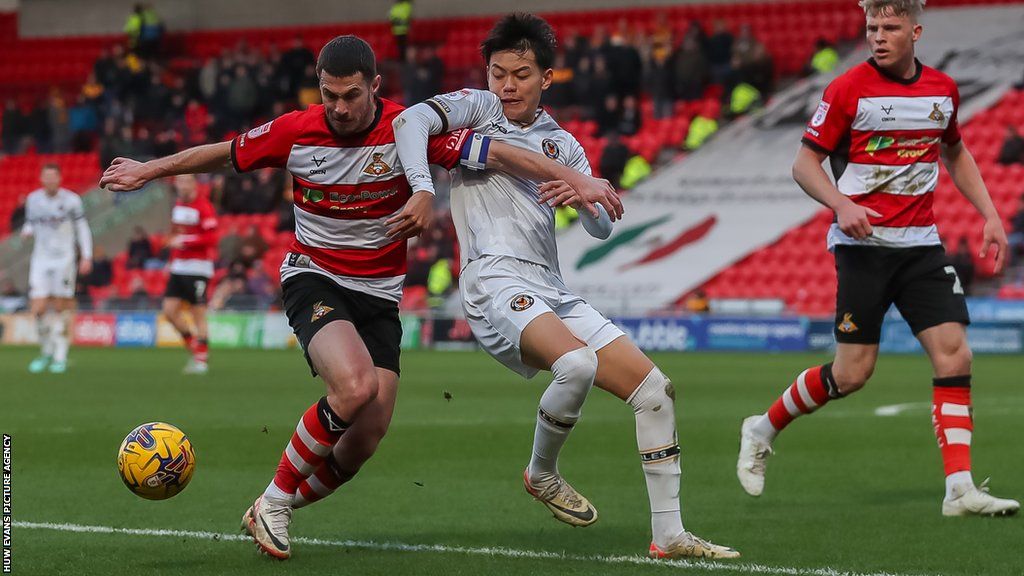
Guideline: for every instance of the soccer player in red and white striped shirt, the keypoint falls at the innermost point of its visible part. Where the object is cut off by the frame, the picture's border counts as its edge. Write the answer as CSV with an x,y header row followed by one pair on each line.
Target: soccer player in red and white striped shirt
x,y
885,124
193,244
342,280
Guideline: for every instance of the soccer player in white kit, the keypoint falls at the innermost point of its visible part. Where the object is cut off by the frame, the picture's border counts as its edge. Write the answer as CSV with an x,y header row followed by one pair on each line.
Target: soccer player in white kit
x,y
515,300
55,217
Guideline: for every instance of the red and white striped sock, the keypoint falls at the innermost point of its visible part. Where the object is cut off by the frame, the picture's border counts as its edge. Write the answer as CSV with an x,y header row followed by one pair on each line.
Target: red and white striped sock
x,y
200,350
321,484
954,426
811,390
314,438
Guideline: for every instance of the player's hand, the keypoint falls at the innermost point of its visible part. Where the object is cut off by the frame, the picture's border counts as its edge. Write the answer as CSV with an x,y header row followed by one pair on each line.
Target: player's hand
x,y
414,218
85,267
124,175
176,242
590,191
853,220
994,238
559,193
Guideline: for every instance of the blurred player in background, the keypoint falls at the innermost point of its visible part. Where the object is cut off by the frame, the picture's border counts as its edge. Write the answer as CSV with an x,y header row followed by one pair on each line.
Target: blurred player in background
x,y
884,125
193,244
342,280
515,300
55,218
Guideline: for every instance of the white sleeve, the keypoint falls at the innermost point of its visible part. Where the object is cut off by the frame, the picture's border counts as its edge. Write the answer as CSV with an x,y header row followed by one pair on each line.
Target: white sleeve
x,y
466,108
82,229
413,128
443,113
27,229
600,227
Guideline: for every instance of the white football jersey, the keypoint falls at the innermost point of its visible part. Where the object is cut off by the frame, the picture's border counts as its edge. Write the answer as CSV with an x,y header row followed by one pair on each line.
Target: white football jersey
x,y
495,213
54,222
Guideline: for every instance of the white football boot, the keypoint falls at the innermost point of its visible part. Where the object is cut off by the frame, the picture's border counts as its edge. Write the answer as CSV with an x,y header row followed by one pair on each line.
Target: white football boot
x,y
968,499
267,523
195,367
691,546
564,502
754,451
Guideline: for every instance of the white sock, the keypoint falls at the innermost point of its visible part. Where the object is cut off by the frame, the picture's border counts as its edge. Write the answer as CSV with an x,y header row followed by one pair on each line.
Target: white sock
x,y
653,404
45,327
763,428
560,409
962,477
59,336
276,495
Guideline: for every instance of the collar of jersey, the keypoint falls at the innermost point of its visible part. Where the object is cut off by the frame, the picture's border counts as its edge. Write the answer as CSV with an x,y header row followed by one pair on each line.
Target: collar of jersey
x,y
525,127
917,73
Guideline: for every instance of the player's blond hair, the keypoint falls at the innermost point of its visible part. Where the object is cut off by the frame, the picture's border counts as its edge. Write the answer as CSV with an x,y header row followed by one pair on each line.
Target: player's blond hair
x,y
911,8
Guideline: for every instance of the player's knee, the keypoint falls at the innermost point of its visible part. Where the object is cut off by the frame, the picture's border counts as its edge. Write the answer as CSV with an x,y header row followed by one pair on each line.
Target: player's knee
x,y
349,392
577,366
954,360
852,377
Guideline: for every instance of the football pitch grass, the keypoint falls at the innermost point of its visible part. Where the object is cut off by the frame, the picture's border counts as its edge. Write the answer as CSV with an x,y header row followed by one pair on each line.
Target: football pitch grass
x,y
848,491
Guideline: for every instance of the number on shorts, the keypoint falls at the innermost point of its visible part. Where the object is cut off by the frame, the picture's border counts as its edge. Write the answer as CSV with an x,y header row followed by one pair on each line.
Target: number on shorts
x,y
201,286
957,287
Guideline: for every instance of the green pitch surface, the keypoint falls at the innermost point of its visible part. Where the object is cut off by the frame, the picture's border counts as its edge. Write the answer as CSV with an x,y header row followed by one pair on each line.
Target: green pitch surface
x,y
848,491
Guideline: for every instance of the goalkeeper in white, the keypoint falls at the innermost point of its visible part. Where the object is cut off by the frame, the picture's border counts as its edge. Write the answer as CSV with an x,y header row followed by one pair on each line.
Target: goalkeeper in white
x,y
513,295
55,217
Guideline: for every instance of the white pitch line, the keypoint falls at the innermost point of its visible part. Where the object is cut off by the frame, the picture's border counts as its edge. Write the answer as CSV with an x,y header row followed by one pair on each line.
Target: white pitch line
x,y
897,409
498,552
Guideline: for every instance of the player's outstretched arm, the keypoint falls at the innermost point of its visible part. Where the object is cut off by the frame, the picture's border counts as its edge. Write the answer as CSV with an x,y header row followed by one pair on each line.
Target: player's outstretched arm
x,y
967,177
583,188
125,174
808,173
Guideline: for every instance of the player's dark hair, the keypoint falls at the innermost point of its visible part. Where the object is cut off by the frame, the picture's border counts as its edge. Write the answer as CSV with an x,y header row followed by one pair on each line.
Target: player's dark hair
x,y
345,56
51,166
520,32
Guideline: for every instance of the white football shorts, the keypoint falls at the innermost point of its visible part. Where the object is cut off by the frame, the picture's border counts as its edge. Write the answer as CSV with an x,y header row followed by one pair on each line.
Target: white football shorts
x,y
52,279
501,295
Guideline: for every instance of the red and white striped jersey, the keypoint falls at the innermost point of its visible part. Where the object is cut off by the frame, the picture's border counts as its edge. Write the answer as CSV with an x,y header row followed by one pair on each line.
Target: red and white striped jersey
x,y
883,135
196,223
344,191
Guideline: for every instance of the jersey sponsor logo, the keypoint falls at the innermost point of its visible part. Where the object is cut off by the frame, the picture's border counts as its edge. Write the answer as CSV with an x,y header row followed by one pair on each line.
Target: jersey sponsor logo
x,y
319,311
312,195
887,110
521,302
937,115
913,153
847,326
876,143
550,148
820,114
499,128
259,130
377,166
362,196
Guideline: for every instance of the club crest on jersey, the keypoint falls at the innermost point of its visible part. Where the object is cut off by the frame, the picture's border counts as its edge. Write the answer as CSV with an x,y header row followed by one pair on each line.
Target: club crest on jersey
x,y
936,116
550,148
377,166
521,302
847,326
319,311
819,116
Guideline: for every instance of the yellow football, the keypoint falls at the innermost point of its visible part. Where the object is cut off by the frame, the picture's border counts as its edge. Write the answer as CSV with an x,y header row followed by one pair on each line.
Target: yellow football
x,y
156,461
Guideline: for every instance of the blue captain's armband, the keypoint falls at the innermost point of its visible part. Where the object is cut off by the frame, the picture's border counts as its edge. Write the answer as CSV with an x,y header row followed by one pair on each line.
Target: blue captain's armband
x,y
474,152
